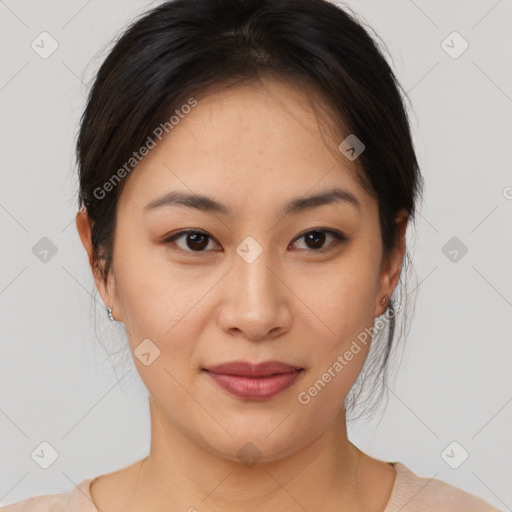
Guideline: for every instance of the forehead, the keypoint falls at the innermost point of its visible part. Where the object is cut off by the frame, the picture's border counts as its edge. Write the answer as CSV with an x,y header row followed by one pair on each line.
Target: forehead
x,y
257,140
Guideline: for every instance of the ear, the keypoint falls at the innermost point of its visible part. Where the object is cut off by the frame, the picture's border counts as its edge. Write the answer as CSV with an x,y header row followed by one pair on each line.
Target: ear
x,y
390,269
106,290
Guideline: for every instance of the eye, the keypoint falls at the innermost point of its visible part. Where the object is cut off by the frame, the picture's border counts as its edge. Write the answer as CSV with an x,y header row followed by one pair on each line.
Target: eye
x,y
195,241
198,241
315,239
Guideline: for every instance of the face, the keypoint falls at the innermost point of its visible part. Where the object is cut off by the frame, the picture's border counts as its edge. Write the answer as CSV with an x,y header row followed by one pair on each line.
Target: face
x,y
198,285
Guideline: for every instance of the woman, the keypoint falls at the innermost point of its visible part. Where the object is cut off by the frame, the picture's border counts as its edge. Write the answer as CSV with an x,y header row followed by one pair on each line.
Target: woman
x,y
247,177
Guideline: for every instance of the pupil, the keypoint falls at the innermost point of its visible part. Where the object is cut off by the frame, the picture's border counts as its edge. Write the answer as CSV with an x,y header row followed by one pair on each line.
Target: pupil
x,y
315,235
197,245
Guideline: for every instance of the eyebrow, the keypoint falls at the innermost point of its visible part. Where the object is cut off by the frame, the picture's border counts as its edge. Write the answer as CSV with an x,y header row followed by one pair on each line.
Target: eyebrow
x,y
210,205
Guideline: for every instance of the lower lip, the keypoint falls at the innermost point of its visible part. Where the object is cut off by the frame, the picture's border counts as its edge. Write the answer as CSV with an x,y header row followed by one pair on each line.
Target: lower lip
x,y
255,388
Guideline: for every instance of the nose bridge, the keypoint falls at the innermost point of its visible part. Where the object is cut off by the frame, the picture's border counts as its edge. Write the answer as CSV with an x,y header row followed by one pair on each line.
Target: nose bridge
x,y
255,304
252,264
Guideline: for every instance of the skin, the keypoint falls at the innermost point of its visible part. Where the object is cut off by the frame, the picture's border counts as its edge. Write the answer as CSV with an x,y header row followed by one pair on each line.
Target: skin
x,y
254,148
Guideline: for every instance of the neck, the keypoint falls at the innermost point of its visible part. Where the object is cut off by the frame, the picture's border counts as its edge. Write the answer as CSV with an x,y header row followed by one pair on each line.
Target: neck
x,y
181,472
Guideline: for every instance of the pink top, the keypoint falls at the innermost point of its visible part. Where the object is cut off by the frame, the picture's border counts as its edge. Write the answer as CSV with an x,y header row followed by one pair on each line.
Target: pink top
x,y
410,494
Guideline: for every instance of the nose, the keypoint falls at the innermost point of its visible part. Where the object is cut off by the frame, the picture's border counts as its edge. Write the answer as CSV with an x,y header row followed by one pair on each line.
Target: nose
x,y
256,300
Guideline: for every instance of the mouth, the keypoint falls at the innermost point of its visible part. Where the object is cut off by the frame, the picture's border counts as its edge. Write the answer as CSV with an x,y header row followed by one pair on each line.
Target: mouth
x,y
254,381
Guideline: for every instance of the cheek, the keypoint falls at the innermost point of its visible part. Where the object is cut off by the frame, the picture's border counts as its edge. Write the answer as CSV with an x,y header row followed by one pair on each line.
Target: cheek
x,y
344,309
160,305
158,302
343,300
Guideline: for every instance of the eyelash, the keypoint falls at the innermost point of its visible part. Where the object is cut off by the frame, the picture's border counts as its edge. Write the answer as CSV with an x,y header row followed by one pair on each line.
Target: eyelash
x,y
339,237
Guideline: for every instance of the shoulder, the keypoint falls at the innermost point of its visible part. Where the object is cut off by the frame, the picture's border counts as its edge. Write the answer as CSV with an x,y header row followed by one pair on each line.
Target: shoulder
x,y
412,493
77,499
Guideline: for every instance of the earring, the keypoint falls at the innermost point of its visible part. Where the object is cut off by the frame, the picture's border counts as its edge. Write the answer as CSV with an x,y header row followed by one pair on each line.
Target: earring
x,y
384,300
109,313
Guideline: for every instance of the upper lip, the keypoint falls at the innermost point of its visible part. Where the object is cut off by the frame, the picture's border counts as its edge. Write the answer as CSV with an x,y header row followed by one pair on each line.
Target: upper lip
x,y
247,369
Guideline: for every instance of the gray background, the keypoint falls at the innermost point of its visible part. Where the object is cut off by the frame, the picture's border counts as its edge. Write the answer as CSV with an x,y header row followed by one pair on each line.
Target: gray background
x,y
57,383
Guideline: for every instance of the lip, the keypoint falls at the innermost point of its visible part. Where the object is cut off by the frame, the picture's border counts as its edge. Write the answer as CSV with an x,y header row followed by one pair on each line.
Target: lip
x,y
254,381
247,369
